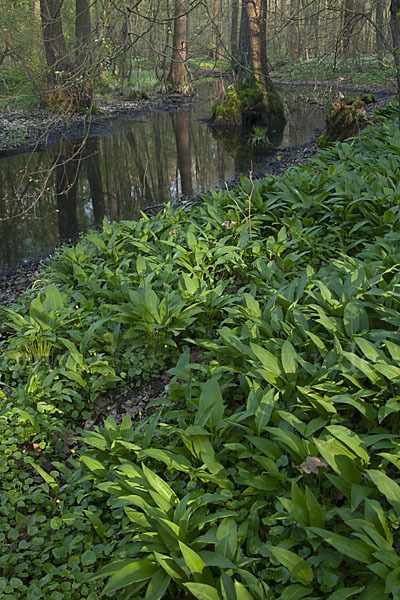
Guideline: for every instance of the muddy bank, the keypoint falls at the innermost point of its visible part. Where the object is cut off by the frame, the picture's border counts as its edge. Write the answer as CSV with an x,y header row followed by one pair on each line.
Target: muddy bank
x,y
29,132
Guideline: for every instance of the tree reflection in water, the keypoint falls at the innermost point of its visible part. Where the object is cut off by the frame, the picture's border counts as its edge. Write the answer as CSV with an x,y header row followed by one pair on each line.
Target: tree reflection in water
x,y
143,162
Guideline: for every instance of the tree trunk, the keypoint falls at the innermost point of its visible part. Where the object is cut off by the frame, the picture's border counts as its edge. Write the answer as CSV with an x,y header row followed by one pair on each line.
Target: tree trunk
x,y
395,29
67,89
253,63
54,42
380,36
84,57
294,31
253,100
234,30
179,80
217,29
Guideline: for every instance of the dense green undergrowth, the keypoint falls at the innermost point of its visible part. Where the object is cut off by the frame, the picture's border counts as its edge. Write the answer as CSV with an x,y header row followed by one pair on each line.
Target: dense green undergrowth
x,y
272,469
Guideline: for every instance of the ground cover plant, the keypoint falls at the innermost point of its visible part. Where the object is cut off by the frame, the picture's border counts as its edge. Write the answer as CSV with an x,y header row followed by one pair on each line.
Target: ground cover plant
x,y
271,471
356,69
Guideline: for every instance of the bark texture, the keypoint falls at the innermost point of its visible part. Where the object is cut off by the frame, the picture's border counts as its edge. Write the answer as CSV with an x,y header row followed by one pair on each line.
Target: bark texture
x,y
54,41
179,80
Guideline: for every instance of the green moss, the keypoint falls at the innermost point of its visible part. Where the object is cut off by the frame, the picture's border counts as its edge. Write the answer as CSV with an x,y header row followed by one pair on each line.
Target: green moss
x,y
252,100
346,118
228,114
253,105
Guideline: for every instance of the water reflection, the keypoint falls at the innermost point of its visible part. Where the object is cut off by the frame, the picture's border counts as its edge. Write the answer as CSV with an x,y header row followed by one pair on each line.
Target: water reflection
x,y
53,195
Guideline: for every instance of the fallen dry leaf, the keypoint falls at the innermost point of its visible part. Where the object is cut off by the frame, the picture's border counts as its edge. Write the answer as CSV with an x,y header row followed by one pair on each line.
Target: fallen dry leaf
x,y
312,464
228,224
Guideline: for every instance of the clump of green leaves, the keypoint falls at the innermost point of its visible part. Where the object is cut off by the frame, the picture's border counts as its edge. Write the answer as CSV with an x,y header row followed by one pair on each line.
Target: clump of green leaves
x,y
271,470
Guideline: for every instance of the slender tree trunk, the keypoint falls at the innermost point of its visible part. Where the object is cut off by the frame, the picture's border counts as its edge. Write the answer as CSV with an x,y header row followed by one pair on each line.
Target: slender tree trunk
x,y
380,37
395,30
83,60
234,29
179,80
294,32
217,29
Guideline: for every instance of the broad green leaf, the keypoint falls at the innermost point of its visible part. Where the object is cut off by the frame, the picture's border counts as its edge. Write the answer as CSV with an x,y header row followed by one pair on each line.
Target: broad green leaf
x,y
389,488
345,593
94,465
351,439
110,569
295,592
195,564
160,486
211,405
364,408
227,538
138,570
202,591
363,366
289,357
96,522
354,317
212,559
358,494
267,360
297,566
49,479
264,410
368,349
373,591
158,585
339,458
315,511
394,350
391,406
347,546
172,460
170,566
227,587
241,592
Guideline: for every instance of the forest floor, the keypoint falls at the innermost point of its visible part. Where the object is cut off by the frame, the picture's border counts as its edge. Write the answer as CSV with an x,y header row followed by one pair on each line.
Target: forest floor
x,y
128,398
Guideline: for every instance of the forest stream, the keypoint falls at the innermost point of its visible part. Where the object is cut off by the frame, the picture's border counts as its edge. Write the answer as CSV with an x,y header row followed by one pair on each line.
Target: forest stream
x,y
137,164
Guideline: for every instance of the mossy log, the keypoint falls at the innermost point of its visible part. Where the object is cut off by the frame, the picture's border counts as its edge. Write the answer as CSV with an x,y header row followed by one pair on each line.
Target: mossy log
x,y
346,118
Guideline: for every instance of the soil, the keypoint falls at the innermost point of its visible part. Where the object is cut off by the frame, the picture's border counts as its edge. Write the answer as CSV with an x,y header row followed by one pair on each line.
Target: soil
x,y
39,130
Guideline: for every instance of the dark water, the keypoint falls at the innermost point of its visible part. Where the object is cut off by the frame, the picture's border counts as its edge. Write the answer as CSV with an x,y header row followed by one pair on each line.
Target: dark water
x,y
52,196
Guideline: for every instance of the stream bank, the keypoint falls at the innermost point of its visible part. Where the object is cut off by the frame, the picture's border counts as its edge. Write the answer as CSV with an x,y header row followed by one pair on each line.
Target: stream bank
x,y
25,274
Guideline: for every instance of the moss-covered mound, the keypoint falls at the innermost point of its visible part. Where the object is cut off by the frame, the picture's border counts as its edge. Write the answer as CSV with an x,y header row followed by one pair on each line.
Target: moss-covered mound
x,y
253,105
346,118
242,110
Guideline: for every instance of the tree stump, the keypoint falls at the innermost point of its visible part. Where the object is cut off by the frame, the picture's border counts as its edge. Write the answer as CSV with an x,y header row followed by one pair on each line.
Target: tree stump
x,y
346,118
